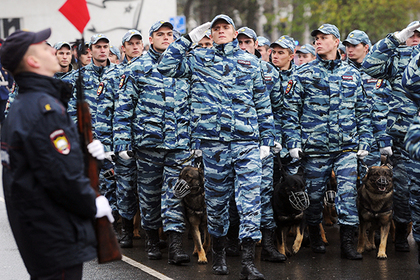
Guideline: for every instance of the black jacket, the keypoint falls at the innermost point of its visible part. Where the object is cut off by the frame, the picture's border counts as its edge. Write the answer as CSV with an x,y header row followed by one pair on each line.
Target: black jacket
x,y
50,204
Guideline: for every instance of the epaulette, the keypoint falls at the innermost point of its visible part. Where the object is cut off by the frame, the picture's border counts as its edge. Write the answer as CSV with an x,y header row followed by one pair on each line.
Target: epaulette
x,y
49,104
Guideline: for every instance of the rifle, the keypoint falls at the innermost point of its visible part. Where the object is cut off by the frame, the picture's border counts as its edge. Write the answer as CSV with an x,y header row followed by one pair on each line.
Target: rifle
x,y
108,248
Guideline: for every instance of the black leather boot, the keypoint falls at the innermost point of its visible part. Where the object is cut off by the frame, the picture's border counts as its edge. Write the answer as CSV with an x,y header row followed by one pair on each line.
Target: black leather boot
x,y
152,245
219,255
269,251
176,254
232,245
249,271
418,254
317,245
116,225
401,234
348,249
126,237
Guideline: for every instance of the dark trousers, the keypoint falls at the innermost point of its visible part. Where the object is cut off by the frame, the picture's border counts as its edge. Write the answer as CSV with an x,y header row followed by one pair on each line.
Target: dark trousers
x,y
69,273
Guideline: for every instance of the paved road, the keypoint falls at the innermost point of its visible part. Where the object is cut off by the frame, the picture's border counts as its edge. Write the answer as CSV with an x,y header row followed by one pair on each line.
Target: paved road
x,y
304,265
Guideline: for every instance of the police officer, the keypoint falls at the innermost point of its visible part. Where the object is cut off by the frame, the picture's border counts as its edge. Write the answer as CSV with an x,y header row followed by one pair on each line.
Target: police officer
x,y
101,103
387,60
306,54
377,92
114,55
152,120
125,167
64,58
264,48
206,41
50,204
232,124
326,116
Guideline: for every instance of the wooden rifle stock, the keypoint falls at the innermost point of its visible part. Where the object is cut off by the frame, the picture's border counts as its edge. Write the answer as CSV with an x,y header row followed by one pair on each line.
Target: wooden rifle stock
x,y
108,248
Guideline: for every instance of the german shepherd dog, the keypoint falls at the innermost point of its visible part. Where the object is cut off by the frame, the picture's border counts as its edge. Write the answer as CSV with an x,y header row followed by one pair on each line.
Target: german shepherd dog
x,y
329,211
289,202
374,203
195,210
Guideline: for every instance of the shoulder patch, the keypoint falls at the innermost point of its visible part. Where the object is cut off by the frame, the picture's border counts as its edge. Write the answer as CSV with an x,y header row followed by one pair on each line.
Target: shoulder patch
x,y
347,77
122,81
100,88
289,86
244,62
60,142
379,83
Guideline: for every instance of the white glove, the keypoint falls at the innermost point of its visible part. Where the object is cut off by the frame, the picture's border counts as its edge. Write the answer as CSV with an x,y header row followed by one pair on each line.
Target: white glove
x,y
197,153
277,147
109,156
294,153
362,154
406,33
386,151
125,155
264,152
103,209
96,149
198,33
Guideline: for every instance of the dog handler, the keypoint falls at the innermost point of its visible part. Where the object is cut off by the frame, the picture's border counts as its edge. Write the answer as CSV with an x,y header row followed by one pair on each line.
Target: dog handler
x,y
327,117
232,124
49,201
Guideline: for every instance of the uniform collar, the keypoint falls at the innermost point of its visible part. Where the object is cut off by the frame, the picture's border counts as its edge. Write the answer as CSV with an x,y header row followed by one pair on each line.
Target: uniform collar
x,y
227,48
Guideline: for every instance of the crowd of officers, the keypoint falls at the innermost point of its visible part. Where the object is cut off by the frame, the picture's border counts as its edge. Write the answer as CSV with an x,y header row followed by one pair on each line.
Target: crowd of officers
x,y
235,100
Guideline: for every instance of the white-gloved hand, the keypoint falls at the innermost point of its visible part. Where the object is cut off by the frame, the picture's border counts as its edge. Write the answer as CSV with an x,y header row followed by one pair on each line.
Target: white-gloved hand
x,y
96,149
407,32
109,156
277,147
197,153
362,154
386,151
294,153
198,33
264,152
125,155
103,209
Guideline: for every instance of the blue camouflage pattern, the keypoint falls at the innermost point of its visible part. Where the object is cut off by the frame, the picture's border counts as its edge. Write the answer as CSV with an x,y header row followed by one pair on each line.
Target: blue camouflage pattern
x,y
388,60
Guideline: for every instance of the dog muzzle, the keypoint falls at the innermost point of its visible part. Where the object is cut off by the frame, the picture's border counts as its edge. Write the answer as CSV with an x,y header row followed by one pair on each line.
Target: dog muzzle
x,y
382,183
329,198
299,200
181,188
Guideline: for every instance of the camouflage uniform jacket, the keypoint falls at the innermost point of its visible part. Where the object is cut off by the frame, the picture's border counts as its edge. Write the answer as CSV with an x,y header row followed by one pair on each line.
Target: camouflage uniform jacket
x,y
411,77
229,101
378,96
387,60
100,100
325,109
60,75
152,109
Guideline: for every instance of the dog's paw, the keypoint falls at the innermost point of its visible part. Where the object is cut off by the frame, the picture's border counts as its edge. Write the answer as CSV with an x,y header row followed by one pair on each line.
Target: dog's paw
x,y
360,250
381,256
202,261
295,250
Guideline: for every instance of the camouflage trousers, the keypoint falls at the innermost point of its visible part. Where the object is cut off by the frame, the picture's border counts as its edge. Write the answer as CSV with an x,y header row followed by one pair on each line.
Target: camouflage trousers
x,y
406,189
126,193
318,172
232,168
107,184
158,171
267,214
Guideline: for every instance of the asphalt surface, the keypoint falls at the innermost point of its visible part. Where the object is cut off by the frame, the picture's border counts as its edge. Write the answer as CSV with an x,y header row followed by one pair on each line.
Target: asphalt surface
x,y
304,265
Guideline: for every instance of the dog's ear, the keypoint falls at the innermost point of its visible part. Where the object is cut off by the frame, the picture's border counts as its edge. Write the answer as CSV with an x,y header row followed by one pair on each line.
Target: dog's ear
x,y
301,171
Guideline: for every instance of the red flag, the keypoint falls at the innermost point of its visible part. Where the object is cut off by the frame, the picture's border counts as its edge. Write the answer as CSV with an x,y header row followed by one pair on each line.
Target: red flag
x,y
76,11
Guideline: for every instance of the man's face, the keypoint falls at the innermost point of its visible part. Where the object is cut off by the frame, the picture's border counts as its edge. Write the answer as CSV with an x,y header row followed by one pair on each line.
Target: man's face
x,y
100,51
265,53
247,44
113,58
206,42
133,48
413,40
161,39
326,44
281,58
223,32
44,58
356,52
305,57
64,56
